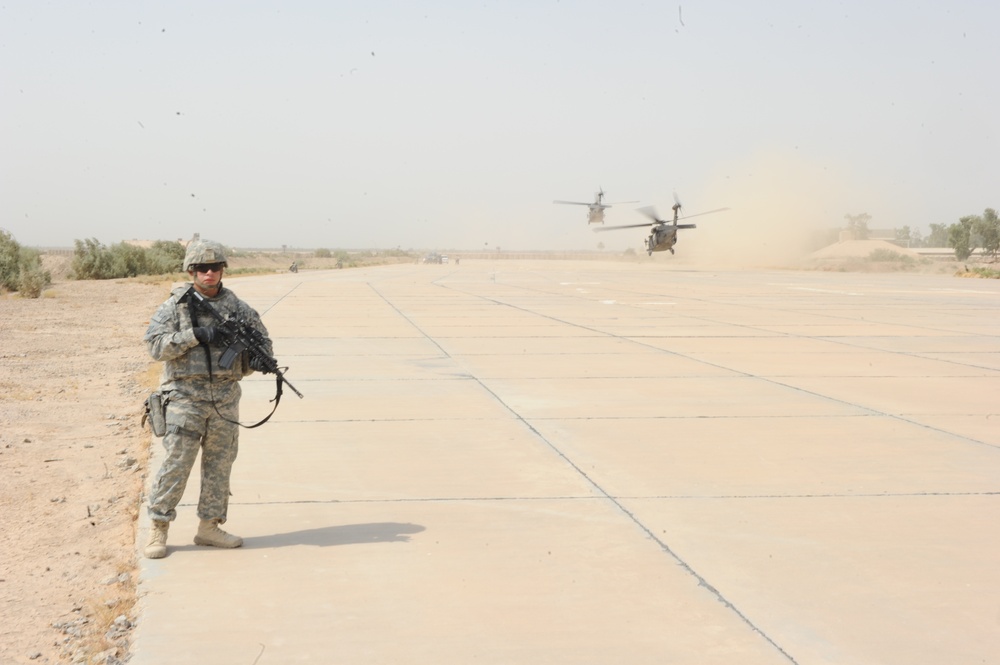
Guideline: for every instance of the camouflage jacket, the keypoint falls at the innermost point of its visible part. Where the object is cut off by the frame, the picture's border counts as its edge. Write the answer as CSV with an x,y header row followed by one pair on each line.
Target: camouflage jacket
x,y
170,338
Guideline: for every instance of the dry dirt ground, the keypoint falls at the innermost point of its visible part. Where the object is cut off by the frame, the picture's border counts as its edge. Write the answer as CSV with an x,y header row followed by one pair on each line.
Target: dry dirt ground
x,y
73,463
73,377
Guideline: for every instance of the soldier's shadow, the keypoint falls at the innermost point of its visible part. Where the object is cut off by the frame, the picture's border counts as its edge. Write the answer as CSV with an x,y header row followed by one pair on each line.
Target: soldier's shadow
x,y
344,534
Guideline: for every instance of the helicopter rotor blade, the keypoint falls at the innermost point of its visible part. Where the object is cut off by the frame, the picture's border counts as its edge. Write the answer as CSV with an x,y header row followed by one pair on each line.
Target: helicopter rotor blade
x,y
574,203
650,211
615,228
707,212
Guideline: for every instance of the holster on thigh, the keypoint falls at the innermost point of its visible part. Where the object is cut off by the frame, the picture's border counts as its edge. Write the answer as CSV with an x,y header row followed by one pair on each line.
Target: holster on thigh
x,y
185,423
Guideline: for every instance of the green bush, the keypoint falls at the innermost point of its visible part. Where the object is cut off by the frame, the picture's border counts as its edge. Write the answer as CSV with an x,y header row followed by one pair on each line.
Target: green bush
x,y
323,253
33,281
128,260
889,255
986,273
92,260
165,257
21,268
10,261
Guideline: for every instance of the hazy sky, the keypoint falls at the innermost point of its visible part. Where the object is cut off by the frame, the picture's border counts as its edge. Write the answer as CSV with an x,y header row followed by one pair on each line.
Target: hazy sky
x,y
439,125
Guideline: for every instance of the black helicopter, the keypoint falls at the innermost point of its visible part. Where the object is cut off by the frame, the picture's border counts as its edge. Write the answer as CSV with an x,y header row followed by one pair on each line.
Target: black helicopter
x,y
595,214
663,233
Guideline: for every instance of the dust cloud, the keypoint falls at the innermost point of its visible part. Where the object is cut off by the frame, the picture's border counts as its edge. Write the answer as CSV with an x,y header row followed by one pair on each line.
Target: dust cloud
x,y
780,209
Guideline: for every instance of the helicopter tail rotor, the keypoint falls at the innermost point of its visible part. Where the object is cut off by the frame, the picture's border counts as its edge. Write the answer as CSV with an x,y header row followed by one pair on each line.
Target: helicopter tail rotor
x,y
676,207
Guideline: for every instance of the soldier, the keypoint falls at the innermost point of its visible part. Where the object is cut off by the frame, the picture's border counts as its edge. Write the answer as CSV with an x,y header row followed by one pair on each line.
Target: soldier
x,y
202,398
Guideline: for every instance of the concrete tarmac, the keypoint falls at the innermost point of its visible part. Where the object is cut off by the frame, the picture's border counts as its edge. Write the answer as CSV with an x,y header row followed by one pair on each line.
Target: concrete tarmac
x,y
584,462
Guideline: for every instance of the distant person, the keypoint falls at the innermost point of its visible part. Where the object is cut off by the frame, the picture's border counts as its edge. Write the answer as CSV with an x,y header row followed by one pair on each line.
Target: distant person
x,y
202,399
294,267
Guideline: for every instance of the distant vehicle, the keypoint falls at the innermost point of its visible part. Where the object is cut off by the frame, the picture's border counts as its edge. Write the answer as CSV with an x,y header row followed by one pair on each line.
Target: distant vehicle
x,y
662,234
444,258
595,212
433,257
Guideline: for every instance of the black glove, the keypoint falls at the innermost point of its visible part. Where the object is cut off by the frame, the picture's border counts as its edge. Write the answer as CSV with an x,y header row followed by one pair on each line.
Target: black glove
x,y
259,364
205,334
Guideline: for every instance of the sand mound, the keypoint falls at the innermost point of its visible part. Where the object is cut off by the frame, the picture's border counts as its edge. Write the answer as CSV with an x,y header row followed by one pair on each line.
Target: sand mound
x,y
60,265
859,249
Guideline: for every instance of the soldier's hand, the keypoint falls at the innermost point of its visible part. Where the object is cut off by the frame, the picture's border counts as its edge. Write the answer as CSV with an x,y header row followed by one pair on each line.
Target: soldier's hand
x,y
206,334
259,364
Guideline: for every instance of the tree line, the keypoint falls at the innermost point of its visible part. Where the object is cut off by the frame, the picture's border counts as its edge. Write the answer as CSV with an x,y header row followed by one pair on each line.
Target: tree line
x,y
968,234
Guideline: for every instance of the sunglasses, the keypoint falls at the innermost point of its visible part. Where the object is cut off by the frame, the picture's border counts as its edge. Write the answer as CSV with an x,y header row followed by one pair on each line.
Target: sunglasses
x,y
206,267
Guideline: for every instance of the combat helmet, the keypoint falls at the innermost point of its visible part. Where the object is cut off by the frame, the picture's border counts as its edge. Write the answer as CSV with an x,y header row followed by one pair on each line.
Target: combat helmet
x,y
204,251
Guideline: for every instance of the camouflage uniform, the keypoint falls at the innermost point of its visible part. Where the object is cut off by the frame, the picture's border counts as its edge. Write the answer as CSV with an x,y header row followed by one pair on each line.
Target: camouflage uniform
x,y
192,420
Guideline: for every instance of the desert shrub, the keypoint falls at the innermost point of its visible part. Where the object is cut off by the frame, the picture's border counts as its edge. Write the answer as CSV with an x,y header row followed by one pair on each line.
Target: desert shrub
x,y
889,255
256,270
128,260
93,260
164,257
985,273
10,261
323,253
33,281
21,268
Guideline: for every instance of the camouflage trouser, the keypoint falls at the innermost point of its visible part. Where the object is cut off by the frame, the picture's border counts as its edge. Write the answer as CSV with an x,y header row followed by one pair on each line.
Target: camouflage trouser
x,y
193,424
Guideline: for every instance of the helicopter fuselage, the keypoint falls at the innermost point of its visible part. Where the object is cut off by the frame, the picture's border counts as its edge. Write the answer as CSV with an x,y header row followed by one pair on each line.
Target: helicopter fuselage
x,y
595,209
596,214
661,239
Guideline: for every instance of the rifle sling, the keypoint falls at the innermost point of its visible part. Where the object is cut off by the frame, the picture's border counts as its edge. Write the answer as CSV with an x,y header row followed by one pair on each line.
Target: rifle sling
x,y
193,310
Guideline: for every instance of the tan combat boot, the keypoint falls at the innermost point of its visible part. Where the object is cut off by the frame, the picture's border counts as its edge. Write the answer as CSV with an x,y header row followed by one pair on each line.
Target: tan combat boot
x,y
209,533
157,548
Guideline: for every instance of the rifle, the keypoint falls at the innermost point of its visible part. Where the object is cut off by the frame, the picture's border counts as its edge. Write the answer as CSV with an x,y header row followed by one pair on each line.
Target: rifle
x,y
241,337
